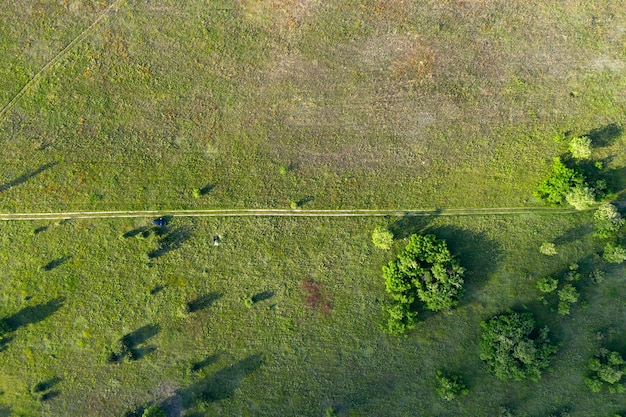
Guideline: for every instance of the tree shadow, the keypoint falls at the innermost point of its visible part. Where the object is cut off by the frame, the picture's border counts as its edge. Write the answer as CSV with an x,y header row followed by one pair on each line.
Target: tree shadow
x,y
26,176
6,411
476,253
203,301
574,234
55,263
366,394
411,224
262,296
34,314
305,200
49,395
207,189
616,181
157,289
198,366
143,230
606,135
171,240
128,347
46,385
216,387
40,230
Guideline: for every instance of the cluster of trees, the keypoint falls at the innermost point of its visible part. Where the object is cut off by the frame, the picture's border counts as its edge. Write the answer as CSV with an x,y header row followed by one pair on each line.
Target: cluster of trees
x,y
608,223
510,350
568,185
424,271
567,295
607,369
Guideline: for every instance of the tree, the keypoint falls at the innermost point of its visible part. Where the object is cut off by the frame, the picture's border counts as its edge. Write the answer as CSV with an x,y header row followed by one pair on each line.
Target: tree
x,y
554,188
450,387
607,369
567,296
614,253
509,350
607,220
547,284
548,249
425,271
580,147
154,411
382,238
581,197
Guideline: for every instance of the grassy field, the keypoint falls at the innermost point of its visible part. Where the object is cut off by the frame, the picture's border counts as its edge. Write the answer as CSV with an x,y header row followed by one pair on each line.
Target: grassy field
x,y
321,104
340,104
242,323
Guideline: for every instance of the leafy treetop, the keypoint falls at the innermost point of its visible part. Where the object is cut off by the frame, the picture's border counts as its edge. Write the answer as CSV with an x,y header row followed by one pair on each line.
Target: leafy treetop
x,y
510,351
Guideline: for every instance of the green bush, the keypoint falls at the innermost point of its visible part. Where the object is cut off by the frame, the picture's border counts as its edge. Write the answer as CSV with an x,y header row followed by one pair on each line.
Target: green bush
x,y
509,350
547,284
614,253
607,369
607,220
580,147
154,411
450,388
425,271
581,197
382,238
548,249
559,184
568,295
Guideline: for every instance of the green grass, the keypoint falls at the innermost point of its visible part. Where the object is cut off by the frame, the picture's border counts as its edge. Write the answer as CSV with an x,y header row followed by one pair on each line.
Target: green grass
x,y
373,105
279,355
334,104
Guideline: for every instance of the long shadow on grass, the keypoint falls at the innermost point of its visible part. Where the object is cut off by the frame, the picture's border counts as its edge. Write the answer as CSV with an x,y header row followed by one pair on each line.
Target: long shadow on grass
x,y
478,254
130,345
198,366
203,301
366,394
408,225
606,135
55,263
574,234
26,176
216,387
171,240
31,315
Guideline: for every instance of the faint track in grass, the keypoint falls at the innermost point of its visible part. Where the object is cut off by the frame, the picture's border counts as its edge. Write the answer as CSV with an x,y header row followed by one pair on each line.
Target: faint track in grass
x,y
281,213
58,57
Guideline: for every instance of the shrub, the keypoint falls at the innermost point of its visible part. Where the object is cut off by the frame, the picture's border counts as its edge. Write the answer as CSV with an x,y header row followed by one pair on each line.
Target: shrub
x,y
426,271
154,411
567,296
450,388
580,147
614,253
607,220
382,238
572,275
597,276
554,188
509,350
548,249
547,284
581,197
607,369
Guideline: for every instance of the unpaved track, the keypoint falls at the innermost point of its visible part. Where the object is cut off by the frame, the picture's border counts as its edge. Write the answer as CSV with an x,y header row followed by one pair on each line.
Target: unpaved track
x,y
281,213
113,7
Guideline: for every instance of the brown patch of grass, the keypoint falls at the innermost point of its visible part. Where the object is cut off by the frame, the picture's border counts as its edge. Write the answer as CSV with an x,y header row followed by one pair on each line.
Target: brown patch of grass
x,y
315,297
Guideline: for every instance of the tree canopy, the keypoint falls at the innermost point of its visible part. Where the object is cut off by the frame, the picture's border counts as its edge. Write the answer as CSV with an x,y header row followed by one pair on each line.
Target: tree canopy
x,y
508,347
426,271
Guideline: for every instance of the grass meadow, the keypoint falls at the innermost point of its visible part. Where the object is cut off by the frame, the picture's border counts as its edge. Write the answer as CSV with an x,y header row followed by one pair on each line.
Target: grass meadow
x,y
325,105
283,318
